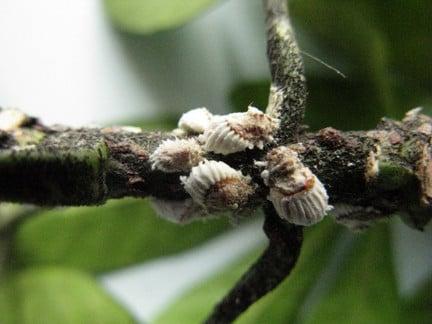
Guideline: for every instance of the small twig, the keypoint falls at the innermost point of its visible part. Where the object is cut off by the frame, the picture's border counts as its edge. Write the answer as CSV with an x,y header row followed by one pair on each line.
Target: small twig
x,y
288,91
273,266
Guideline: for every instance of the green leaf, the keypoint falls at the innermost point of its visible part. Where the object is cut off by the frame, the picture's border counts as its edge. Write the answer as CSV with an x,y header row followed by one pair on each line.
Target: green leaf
x,y
55,295
149,16
418,308
12,211
387,52
365,290
102,238
342,104
253,93
195,305
282,304
385,58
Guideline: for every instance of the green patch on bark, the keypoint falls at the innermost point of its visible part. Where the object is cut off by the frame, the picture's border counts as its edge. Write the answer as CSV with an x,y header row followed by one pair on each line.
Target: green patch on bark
x,y
66,168
392,175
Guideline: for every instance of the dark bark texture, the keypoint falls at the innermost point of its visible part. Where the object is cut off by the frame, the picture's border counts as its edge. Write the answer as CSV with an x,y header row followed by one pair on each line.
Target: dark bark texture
x,y
388,168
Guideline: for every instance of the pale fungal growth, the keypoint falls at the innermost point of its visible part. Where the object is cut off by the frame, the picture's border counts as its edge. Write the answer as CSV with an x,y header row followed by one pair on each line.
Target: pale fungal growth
x,y
355,218
12,119
195,121
296,193
237,132
178,155
216,186
372,164
177,211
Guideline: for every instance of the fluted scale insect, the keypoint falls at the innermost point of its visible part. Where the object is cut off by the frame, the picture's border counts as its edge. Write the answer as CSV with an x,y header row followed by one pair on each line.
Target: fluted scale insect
x,y
177,155
216,186
237,132
296,193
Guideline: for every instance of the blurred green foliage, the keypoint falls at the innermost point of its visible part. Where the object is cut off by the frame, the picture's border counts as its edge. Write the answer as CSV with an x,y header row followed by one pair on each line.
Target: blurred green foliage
x,y
418,308
365,289
92,239
163,123
285,303
103,238
149,16
282,304
195,305
383,47
57,295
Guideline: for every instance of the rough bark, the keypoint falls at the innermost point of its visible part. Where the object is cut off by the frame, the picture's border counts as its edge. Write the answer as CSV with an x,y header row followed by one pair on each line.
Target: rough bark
x,y
287,100
87,166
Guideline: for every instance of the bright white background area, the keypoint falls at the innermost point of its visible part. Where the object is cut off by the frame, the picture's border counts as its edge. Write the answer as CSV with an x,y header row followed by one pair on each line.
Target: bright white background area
x,y
62,61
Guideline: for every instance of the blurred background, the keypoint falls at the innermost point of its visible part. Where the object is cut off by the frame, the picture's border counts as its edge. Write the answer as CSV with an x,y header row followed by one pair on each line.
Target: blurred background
x,y
144,62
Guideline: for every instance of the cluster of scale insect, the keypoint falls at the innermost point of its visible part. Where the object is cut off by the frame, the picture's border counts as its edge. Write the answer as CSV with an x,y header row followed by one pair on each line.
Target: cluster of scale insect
x,y
213,185
296,193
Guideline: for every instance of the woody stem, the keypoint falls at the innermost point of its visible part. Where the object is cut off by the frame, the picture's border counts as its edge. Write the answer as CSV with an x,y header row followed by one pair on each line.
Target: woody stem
x,y
272,267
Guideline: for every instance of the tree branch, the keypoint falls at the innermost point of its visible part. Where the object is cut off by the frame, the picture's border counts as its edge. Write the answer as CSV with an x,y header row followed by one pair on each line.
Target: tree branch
x,y
388,168
273,266
288,91
86,166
